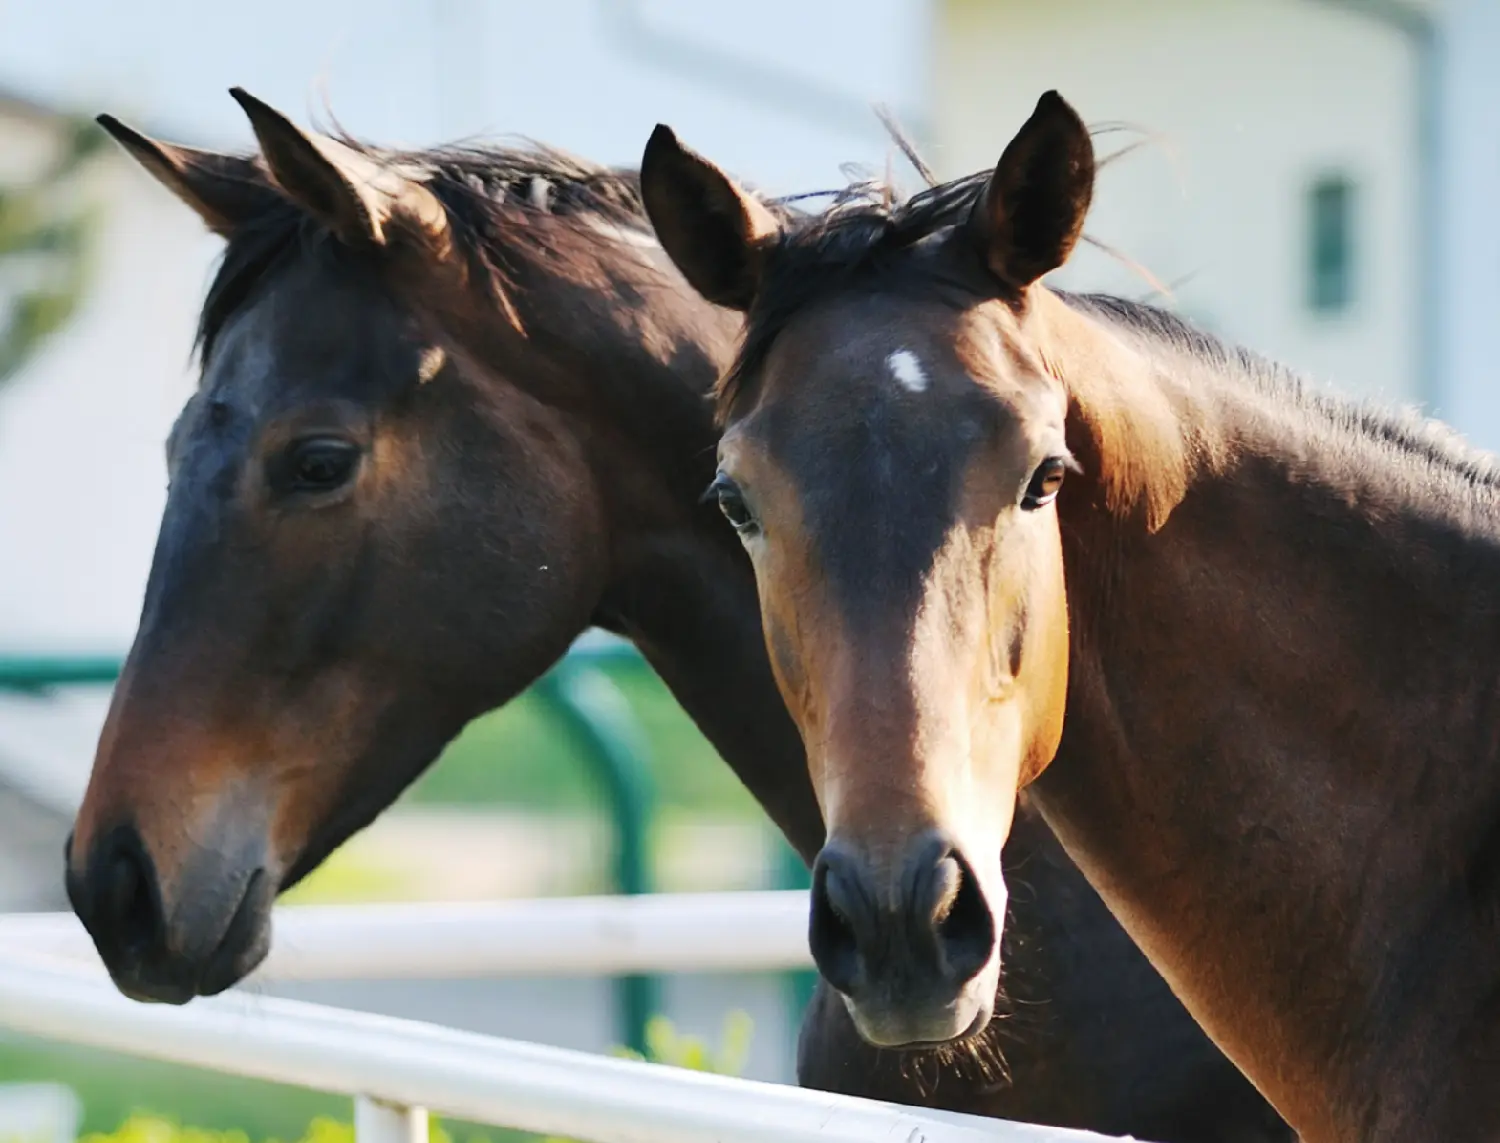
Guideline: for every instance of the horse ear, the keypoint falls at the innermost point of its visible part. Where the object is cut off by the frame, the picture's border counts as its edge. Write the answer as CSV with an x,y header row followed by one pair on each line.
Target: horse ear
x,y
712,230
1031,212
225,191
350,192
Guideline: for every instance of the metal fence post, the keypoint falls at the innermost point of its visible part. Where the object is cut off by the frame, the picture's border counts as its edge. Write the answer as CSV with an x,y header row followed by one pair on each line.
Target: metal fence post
x,y
600,718
376,1121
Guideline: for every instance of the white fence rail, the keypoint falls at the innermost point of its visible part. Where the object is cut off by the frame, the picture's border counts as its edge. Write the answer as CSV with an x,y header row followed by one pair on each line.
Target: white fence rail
x,y
560,936
52,986
401,1065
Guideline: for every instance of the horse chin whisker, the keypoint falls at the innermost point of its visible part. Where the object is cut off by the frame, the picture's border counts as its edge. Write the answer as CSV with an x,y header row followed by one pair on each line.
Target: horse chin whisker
x,y
978,1059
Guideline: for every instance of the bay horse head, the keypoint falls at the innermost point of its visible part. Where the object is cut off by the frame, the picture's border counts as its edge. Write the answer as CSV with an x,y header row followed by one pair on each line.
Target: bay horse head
x,y
359,548
894,445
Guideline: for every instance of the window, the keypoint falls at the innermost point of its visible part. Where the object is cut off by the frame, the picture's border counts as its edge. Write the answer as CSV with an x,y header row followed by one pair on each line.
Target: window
x,y
1330,245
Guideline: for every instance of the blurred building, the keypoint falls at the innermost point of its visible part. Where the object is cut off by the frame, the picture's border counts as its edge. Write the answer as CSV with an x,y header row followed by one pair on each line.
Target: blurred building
x,y
1318,180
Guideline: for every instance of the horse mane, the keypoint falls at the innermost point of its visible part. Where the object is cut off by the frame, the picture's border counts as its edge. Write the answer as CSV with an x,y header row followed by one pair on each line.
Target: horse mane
x,y
507,207
1403,433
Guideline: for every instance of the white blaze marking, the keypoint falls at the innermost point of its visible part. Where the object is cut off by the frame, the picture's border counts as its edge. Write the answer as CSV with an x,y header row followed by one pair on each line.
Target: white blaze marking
x,y
907,370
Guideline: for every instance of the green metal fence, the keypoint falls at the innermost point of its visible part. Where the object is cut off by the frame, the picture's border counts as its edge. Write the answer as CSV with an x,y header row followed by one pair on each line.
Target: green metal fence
x,y
590,709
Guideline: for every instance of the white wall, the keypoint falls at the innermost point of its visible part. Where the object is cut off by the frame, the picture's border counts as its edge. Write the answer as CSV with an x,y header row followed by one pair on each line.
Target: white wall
x,y
1250,99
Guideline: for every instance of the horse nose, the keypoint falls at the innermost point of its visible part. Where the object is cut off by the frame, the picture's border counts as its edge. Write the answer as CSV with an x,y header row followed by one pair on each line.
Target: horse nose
x,y
118,899
932,924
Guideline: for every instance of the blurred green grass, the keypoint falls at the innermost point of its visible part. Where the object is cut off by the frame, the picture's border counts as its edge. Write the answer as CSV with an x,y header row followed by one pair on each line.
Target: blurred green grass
x,y
518,757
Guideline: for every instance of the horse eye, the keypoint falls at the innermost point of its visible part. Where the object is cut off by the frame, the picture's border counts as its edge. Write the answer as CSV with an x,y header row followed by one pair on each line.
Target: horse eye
x,y
732,504
319,464
1045,483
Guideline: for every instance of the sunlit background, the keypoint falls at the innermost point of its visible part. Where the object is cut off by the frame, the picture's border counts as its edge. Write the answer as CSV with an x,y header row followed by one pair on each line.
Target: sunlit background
x,y
1316,179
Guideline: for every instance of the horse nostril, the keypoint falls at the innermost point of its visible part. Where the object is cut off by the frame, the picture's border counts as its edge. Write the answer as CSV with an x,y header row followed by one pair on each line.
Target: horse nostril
x,y
126,899
965,925
838,904
122,884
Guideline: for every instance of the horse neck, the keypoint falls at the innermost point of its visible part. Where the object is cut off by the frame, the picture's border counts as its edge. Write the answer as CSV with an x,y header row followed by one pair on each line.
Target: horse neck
x,y
1279,762
628,354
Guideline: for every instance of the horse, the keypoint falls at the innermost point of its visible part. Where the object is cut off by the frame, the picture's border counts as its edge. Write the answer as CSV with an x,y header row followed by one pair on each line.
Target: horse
x,y
453,411
1230,634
